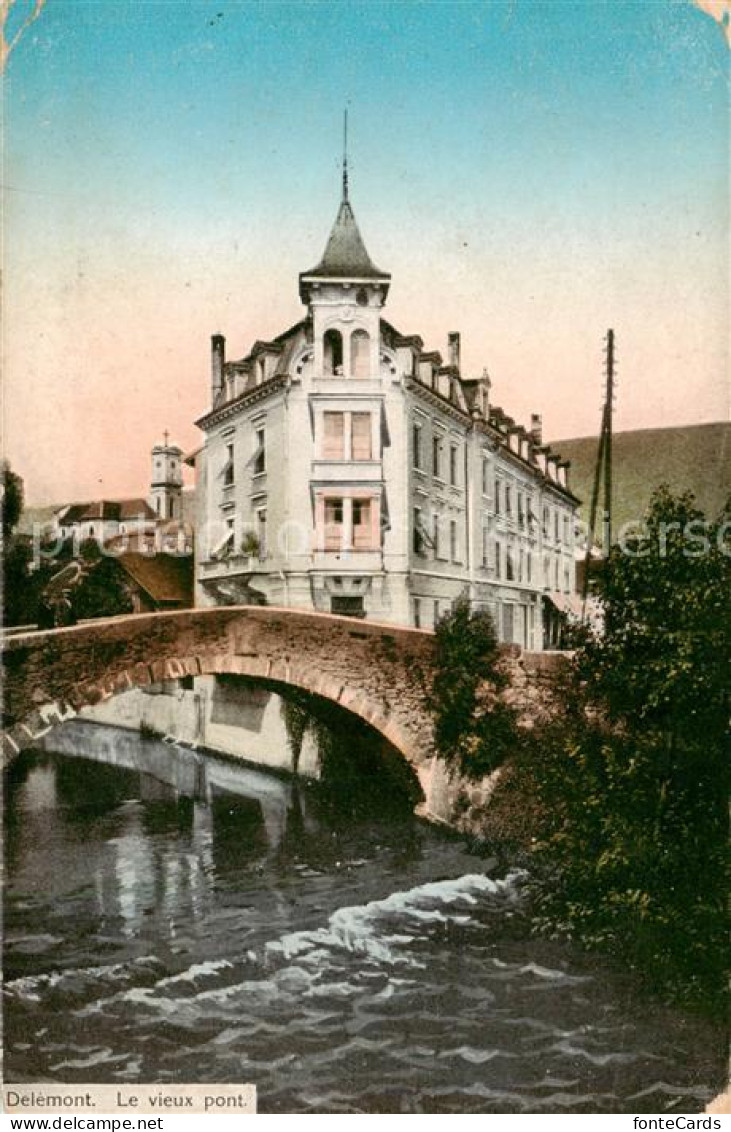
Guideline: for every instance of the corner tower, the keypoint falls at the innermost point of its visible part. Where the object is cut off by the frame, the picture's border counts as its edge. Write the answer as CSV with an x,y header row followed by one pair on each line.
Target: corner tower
x,y
166,486
345,294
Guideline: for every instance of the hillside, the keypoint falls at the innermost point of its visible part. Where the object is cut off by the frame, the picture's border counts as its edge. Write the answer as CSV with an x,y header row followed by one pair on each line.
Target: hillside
x,y
693,458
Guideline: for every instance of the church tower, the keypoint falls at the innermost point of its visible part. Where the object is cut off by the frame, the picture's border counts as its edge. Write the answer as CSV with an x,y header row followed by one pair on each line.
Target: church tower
x,y
345,294
166,486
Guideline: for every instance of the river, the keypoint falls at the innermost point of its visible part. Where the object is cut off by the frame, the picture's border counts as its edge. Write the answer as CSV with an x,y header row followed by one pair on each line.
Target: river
x,y
171,917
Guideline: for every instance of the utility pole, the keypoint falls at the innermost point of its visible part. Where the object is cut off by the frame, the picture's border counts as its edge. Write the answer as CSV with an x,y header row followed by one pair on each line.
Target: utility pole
x,y
603,465
608,406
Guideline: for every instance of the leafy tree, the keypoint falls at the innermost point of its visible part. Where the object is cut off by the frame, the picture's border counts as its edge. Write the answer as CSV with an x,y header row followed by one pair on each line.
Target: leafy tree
x,y
102,591
634,780
474,730
12,499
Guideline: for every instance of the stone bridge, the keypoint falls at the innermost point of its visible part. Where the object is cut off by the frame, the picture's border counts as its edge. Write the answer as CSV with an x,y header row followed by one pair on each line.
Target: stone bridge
x,y
377,672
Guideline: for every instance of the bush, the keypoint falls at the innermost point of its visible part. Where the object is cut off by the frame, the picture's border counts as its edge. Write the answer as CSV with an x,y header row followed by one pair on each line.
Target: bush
x,y
633,783
474,730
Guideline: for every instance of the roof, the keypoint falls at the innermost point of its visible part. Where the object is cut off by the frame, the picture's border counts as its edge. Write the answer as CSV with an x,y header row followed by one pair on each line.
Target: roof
x,y
111,510
345,255
166,578
694,458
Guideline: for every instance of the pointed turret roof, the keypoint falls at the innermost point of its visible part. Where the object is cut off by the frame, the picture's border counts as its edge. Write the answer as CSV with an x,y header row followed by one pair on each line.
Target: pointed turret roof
x,y
345,255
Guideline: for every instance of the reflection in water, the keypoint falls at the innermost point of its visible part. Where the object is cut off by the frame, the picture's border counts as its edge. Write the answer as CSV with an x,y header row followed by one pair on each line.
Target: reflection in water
x,y
175,918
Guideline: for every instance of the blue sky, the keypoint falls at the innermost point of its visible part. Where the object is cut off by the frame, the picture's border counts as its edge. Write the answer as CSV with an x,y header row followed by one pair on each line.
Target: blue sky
x,y
530,172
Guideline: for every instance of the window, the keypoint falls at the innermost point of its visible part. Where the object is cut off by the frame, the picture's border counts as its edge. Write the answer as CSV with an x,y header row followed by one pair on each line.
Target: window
x,y
333,447
546,521
435,534
498,496
485,548
360,351
261,531
509,565
333,353
418,543
417,613
453,549
453,464
416,439
508,624
361,436
222,548
260,454
498,560
485,473
333,524
228,467
566,580
347,605
362,524
529,566
508,500
521,510
436,456
343,443
555,527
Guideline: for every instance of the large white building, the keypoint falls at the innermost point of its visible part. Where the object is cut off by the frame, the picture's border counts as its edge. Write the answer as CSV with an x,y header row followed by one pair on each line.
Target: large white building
x,y
347,469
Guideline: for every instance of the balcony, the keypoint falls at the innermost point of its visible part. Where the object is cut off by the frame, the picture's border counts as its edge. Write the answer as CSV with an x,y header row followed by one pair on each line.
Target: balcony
x,y
229,565
347,561
346,471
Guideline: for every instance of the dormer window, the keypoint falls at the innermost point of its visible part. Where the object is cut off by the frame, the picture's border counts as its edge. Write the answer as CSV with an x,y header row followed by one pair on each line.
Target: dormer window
x,y
361,297
261,371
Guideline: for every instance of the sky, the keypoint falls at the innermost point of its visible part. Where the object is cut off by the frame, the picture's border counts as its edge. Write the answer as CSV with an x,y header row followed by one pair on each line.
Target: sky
x,y
531,172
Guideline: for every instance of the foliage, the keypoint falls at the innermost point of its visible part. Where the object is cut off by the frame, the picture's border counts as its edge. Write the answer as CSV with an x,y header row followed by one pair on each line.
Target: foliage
x,y
296,711
12,499
474,730
90,551
250,544
102,592
633,782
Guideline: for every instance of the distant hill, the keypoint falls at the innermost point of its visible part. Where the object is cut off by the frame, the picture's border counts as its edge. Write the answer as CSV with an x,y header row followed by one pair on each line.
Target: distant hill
x,y
693,458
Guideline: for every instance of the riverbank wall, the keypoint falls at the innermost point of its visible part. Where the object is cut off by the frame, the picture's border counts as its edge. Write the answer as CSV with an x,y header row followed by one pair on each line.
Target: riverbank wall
x,y
218,714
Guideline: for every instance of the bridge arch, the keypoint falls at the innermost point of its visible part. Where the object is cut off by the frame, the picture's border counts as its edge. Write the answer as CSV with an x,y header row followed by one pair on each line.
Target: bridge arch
x,y
378,673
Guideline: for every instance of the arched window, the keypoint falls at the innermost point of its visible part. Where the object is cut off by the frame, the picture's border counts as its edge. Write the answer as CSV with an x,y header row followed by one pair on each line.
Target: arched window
x,y
333,352
360,354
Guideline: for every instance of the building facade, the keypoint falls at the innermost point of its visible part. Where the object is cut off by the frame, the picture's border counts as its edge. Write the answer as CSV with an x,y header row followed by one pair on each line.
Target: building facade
x,y
348,469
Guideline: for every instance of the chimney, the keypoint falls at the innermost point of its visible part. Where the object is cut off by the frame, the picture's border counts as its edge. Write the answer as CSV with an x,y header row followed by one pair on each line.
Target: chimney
x,y
453,344
218,357
536,429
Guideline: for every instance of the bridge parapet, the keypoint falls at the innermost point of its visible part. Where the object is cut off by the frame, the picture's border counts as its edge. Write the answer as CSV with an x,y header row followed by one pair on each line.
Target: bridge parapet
x,y
378,672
